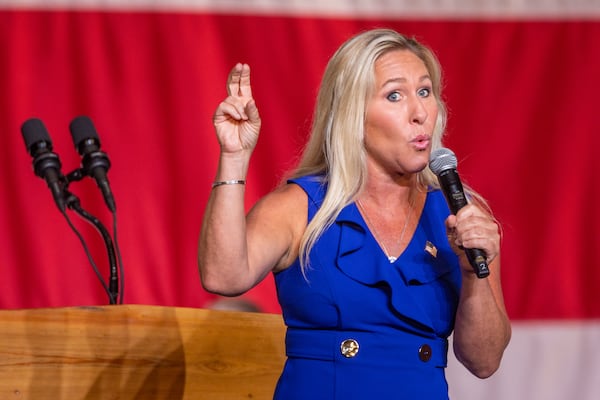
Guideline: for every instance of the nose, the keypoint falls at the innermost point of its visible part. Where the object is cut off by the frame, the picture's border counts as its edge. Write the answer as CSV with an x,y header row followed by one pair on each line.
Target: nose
x,y
419,112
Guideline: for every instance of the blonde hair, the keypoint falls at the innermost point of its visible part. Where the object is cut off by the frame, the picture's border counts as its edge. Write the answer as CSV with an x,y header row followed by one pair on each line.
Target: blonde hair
x,y
335,149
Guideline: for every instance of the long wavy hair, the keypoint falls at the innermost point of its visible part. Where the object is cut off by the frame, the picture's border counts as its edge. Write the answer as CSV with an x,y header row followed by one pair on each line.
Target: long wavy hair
x,y
335,150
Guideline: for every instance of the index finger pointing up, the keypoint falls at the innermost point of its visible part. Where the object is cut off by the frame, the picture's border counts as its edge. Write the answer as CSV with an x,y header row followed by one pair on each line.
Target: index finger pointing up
x,y
238,82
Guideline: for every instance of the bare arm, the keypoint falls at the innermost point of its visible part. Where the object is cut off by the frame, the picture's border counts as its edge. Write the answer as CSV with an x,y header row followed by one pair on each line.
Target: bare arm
x,y
236,252
482,328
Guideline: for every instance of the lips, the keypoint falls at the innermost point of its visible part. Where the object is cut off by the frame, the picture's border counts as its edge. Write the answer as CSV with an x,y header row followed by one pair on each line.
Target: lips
x,y
421,142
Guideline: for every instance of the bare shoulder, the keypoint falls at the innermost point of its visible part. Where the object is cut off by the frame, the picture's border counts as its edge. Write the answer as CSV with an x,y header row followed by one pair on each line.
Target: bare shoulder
x,y
277,222
288,199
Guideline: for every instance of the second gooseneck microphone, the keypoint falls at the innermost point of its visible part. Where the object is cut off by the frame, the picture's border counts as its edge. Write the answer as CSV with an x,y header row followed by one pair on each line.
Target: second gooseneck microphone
x,y
94,162
443,164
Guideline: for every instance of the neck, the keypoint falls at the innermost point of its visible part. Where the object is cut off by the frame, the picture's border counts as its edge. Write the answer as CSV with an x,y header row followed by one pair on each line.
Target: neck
x,y
391,194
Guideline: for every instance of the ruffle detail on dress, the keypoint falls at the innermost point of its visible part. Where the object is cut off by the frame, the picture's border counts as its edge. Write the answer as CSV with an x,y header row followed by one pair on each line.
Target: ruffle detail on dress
x,y
361,259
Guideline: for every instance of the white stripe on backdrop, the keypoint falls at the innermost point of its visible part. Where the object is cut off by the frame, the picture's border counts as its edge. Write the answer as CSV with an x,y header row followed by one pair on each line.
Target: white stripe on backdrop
x,y
546,360
497,9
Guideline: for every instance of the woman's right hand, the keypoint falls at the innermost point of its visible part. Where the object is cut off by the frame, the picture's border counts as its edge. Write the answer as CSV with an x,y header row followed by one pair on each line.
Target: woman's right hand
x,y
236,119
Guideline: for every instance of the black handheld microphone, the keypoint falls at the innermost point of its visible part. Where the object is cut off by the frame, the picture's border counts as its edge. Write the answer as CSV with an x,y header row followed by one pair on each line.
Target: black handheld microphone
x,y
94,162
46,163
443,164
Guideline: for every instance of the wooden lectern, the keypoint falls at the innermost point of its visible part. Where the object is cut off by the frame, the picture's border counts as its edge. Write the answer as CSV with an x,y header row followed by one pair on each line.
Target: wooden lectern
x,y
139,352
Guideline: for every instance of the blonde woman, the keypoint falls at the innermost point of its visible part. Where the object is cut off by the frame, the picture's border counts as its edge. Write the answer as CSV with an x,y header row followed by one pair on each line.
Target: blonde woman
x,y
368,260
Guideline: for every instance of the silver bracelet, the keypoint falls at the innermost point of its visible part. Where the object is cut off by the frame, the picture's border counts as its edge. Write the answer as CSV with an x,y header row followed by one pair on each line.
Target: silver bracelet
x,y
231,182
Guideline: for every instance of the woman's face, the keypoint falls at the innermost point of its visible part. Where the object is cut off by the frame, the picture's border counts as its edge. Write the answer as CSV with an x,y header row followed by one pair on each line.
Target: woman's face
x,y
401,114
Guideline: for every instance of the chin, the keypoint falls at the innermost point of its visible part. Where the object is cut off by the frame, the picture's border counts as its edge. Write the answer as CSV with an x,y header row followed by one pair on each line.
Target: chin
x,y
422,160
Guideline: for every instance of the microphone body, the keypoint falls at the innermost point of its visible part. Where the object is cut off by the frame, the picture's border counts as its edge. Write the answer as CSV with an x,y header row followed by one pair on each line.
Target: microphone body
x,y
46,163
443,164
94,162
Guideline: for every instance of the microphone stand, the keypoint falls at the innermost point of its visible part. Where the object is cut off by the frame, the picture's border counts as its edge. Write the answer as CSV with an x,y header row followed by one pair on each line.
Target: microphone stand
x,y
72,202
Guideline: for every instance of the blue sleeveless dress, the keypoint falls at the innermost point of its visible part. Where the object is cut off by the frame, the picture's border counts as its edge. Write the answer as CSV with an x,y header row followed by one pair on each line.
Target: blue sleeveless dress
x,y
360,327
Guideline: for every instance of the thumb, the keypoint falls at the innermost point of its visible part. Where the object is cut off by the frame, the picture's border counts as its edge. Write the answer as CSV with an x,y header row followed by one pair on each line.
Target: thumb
x,y
252,111
451,229
451,223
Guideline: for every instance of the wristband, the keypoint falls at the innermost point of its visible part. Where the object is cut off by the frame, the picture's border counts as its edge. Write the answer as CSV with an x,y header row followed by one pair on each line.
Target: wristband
x,y
231,182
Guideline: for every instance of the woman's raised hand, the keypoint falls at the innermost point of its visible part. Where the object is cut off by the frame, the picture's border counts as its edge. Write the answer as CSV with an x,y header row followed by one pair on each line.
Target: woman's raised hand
x,y
236,119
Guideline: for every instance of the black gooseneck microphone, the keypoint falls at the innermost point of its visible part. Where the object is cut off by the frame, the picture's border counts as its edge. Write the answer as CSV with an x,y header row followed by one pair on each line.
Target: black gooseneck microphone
x,y
94,162
46,163
443,164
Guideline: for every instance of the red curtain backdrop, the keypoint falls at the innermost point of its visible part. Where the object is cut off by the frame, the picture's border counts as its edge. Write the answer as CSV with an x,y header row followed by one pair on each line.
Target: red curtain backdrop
x,y
524,124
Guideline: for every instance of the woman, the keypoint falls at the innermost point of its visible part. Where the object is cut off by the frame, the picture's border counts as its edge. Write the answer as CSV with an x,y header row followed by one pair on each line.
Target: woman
x,y
368,260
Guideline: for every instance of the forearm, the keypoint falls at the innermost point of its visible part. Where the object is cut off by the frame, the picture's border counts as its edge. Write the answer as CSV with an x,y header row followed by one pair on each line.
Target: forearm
x,y
222,247
482,329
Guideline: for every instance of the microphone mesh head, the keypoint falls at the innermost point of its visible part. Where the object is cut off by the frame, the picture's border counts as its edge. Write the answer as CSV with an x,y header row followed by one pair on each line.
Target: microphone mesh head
x,y
34,131
82,129
441,160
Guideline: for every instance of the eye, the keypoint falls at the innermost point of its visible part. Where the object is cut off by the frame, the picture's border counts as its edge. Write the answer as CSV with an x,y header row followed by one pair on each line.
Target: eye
x,y
424,92
394,96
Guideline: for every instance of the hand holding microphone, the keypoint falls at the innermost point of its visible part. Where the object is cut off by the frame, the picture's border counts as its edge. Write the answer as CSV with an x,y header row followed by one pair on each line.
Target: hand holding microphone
x,y
443,164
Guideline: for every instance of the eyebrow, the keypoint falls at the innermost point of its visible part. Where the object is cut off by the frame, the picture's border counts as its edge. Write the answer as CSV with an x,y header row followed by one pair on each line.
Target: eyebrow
x,y
403,80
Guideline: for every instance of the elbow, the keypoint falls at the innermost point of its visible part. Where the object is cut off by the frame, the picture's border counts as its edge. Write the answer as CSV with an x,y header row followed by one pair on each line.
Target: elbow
x,y
215,283
482,354
217,287
486,370
211,285
483,368
483,362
